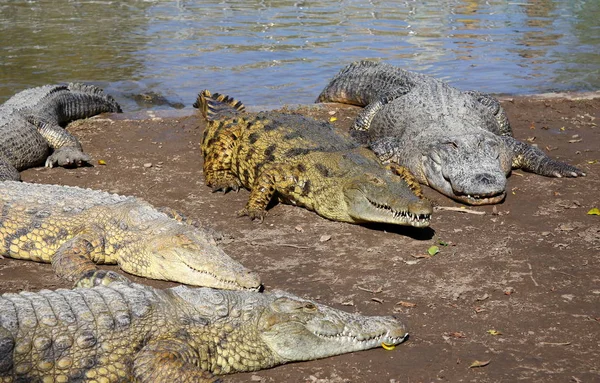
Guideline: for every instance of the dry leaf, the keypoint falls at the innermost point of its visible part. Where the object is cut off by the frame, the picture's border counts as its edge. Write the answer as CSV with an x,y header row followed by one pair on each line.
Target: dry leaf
x,y
406,304
457,334
479,363
482,298
574,141
479,309
299,228
530,139
532,126
377,300
325,238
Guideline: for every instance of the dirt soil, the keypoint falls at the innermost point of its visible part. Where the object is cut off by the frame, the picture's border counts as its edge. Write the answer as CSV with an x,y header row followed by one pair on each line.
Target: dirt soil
x,y
517,285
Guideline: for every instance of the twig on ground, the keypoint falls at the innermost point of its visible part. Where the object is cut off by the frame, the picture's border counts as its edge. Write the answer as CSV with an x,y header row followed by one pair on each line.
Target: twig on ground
x,y
460,209
555,344
531,275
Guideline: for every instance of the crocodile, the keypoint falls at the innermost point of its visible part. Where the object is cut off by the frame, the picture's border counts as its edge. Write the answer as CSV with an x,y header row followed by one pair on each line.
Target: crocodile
x,y
298,160
459,143
32,121
128,332
152,99
74,229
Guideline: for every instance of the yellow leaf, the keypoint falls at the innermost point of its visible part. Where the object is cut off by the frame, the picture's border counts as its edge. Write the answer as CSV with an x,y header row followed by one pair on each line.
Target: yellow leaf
x,y
562,129
593,162
594,211
494,332
101,162
479,363
332,119
388,347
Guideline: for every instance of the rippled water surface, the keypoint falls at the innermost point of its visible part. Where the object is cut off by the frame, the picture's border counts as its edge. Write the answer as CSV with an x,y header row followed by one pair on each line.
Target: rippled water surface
x,y
275,52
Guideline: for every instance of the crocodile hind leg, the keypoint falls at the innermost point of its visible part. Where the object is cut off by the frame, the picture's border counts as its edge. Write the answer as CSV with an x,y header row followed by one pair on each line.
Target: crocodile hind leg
x,y
218,154
73,262
170,360
532,159
7,171
67,149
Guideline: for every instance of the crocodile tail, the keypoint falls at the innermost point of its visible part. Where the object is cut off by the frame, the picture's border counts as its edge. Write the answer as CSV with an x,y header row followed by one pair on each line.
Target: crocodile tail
x,y
212,105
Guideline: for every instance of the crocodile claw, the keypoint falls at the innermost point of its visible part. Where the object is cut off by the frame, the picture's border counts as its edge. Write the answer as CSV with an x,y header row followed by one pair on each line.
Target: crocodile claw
x,y
254,214
101,278
67,156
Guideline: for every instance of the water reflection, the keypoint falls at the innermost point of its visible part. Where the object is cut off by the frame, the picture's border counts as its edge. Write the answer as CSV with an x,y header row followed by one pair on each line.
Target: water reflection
x,y
274,52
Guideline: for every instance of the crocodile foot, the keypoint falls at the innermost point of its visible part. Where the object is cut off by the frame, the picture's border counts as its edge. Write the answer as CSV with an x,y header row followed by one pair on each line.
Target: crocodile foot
x,y
67,156
225,185
254,214
101,278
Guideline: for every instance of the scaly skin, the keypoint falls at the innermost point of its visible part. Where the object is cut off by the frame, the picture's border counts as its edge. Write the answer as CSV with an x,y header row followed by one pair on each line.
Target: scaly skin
x,y
303,162
128,332
32,121
459,143
74,229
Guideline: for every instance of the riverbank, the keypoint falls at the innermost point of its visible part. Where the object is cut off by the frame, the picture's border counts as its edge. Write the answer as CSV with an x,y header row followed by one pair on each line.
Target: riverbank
x,y
517,286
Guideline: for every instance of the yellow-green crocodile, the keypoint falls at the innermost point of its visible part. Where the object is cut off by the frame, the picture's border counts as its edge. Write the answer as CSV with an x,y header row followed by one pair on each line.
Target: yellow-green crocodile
x,y
304,162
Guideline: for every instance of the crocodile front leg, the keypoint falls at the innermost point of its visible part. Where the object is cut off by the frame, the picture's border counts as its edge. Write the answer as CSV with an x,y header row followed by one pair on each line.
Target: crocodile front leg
x,y
67,149
170,360
532,159
278,178
73,262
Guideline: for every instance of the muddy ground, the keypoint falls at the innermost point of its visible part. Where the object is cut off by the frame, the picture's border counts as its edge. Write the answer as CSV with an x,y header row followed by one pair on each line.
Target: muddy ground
x,y
527,270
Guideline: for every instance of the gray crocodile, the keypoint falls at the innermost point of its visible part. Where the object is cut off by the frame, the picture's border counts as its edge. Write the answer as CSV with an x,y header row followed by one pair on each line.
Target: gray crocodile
x,y
74,228
459,143
128,332
32,121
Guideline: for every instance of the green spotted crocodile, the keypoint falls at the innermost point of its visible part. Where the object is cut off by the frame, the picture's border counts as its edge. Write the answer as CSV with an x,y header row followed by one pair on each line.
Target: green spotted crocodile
x,y
128,332
459,143
74,228
32,121
304,162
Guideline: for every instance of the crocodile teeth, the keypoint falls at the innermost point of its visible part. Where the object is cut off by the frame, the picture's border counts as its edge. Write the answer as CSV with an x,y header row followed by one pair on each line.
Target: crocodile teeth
x,y
403,215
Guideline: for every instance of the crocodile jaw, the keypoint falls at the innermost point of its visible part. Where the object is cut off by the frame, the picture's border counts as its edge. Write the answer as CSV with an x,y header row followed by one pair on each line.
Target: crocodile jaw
x,y
297,333
189,259
468,169
395,210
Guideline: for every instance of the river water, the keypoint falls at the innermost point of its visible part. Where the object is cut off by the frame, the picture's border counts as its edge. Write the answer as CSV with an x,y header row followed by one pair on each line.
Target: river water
x,y
276,52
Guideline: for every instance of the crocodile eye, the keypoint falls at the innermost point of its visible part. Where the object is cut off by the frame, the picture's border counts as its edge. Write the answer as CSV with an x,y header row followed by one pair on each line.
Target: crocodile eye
x,y
375,180
310,307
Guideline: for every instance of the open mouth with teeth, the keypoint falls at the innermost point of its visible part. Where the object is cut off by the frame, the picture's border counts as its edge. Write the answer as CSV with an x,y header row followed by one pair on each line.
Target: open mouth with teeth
x,y
402,217
365,342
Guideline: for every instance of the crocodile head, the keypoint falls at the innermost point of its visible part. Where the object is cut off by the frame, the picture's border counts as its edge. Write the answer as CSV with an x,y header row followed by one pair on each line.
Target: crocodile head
x,y
295,329
279,327
469,168
186,255
379,196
